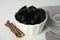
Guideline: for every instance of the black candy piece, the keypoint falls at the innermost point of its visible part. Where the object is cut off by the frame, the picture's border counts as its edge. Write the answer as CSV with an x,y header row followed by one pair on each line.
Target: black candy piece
x,y
31,8
30,15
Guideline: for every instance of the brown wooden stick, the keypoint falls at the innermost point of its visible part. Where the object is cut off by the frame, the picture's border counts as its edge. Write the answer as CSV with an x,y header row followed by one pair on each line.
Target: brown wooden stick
x,y
14,29
8,25
18,30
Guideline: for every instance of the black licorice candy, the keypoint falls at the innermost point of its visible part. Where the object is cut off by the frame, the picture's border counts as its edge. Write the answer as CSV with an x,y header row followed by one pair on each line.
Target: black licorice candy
x,y
30,15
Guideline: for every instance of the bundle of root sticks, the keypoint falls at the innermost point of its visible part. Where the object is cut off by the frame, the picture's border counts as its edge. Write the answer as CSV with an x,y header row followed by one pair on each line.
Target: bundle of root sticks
x,y
14,29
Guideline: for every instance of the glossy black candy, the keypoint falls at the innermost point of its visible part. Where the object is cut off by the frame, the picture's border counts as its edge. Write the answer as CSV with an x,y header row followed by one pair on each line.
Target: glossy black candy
x,y
30,15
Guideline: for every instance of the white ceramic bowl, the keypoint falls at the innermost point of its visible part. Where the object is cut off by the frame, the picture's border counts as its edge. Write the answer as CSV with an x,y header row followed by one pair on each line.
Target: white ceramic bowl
x,y
30,29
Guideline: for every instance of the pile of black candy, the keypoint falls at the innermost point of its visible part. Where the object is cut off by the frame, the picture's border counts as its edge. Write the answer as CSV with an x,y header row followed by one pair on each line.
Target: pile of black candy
x,y
30,15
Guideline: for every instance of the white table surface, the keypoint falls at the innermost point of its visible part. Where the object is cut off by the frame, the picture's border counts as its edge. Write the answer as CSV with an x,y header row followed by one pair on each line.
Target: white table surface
x,y
9,7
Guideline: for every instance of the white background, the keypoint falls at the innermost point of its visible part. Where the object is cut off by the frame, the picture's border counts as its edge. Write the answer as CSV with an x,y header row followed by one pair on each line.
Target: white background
x,y
9,7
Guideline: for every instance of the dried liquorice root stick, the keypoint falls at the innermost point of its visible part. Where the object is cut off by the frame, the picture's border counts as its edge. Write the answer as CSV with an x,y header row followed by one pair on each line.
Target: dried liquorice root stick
x,y
18,30
9,25
14,29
